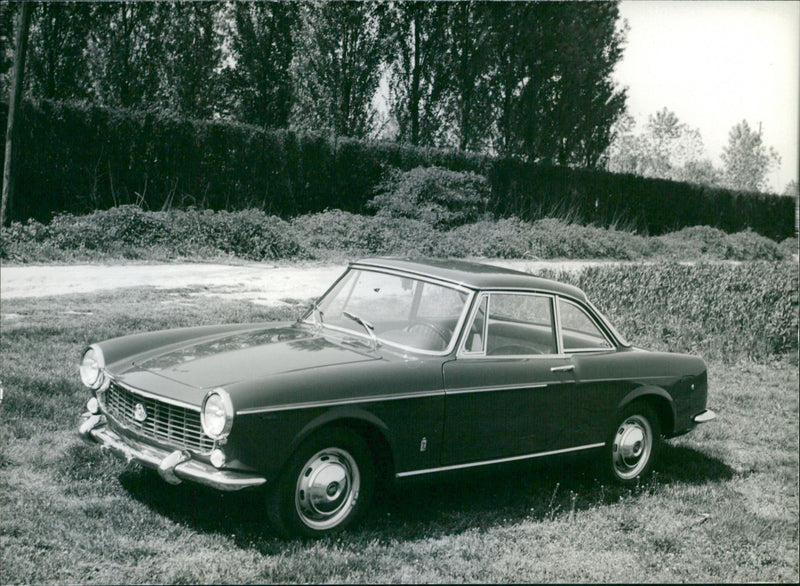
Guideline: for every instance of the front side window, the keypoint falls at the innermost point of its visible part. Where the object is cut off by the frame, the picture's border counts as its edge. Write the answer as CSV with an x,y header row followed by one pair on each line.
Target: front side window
x,y
578,330
399,310
517,324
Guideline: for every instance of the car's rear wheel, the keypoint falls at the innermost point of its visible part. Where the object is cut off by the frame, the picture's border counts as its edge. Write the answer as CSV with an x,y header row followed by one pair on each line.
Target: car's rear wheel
x,y
633,448
326,485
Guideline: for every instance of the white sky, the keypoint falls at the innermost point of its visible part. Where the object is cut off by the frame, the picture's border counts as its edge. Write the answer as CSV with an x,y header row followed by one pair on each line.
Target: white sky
x,y
715,64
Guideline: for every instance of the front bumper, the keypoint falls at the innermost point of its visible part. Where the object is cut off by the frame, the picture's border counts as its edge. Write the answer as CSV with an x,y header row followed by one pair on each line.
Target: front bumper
x,y
174,467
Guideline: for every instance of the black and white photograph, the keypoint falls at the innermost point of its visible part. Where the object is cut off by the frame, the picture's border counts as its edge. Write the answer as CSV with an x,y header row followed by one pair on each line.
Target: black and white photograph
x,y
399,291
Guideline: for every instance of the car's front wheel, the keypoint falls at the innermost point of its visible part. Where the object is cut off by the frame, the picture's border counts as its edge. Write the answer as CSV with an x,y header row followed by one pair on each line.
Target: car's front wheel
x,y
634,446
326,485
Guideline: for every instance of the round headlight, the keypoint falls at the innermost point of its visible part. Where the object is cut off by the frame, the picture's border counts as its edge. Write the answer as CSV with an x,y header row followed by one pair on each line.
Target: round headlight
x,y
217,414
92,366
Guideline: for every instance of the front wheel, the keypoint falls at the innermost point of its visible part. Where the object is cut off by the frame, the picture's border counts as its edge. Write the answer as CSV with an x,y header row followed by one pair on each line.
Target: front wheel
x,y
325,486
634,446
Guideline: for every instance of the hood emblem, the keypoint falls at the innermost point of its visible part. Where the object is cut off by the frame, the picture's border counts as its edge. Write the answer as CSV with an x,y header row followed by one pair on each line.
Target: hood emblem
x,y
139,413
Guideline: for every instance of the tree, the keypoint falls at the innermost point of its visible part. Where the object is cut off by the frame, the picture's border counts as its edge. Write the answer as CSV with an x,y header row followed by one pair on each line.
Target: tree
x,y
747,160
342,49
514,24
552,79
667,149
188,82
58,51
263,46
126,48
420,36
465,74
6,45
20,49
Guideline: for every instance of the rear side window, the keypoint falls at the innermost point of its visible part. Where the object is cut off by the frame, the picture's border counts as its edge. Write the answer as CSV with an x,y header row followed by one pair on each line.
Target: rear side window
x,y
578,330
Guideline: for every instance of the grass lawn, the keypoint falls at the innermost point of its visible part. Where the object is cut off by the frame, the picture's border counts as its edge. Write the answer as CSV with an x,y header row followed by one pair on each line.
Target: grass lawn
x,y
721,507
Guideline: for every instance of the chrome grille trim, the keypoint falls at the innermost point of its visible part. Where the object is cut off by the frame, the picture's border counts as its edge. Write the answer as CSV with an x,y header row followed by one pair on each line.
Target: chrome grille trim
x,y
166,423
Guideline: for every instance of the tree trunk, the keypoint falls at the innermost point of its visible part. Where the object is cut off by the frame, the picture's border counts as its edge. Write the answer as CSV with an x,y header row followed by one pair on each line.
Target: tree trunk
x,y
20,47
413,102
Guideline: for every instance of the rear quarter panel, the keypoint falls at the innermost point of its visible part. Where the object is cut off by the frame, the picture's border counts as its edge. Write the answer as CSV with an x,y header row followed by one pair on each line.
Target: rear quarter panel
x,y
677,383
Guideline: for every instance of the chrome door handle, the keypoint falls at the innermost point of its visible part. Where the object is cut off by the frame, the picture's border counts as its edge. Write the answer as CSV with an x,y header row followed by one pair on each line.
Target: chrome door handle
x,y
565,368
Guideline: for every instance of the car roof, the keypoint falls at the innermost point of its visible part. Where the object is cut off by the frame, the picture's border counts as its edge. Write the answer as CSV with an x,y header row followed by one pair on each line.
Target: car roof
x,y
472,275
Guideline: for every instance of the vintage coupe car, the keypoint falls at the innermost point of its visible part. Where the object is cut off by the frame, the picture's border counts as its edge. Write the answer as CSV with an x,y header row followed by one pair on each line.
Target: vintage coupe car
x,y
402,368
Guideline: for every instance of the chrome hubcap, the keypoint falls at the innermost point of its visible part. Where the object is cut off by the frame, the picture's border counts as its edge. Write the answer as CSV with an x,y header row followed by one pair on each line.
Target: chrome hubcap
x,y
327,488
632,446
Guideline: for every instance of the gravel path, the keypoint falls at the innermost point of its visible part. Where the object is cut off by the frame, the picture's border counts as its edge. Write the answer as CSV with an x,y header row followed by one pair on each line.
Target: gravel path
x,y
258,282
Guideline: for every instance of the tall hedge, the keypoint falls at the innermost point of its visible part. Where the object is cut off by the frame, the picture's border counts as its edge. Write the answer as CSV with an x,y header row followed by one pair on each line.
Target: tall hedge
x,y
78,158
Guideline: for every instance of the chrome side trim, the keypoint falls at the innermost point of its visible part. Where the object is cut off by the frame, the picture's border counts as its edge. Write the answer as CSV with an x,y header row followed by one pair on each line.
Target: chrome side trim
x,y
498,461
376,399
340,402
492,389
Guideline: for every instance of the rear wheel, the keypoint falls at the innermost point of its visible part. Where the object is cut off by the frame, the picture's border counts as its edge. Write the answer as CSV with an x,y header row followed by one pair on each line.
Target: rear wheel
x,y
633,448
325,487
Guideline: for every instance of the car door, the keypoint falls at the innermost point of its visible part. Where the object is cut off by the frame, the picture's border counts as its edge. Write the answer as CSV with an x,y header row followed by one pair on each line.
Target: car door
x,y
504,390
588,407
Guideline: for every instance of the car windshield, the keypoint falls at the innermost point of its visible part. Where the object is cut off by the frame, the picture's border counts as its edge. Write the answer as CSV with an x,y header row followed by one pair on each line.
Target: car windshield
x,y
393,309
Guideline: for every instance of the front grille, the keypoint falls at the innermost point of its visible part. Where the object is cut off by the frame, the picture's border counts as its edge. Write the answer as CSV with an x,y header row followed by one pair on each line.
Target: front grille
x,y
166,423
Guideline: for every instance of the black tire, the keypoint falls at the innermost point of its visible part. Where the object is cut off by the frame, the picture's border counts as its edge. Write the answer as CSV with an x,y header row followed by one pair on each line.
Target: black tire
x,y
634,444
326,485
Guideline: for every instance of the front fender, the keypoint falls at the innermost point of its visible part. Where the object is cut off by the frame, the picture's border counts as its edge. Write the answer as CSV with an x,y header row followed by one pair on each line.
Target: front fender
x,y
350,416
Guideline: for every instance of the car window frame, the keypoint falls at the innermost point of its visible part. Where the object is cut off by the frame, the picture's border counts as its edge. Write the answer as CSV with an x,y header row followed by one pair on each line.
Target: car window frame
x,y
464,353
612,345
307,318
614,339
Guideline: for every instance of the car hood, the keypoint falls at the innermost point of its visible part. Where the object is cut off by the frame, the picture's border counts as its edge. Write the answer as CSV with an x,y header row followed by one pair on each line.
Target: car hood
x,y
250,355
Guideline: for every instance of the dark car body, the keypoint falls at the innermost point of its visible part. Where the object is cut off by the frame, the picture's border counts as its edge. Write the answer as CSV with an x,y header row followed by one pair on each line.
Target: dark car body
x,y
478,381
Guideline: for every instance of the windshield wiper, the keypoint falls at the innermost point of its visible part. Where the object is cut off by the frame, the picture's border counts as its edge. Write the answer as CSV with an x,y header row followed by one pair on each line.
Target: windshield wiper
x,y
366,325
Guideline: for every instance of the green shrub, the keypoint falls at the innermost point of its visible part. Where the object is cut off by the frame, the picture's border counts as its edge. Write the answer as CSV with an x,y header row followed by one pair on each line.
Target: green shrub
x,y
553,238
788,248
84,157
434,195
334,233
128,232
748,245
703,240
503,238
711,243
720,311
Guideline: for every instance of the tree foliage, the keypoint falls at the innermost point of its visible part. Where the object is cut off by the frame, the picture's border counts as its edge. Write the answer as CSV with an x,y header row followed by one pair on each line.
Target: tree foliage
x,y
59,42
747,159
666,149
529,79
342,47
567,101
126,47
414,99
7,11
259,80
188,82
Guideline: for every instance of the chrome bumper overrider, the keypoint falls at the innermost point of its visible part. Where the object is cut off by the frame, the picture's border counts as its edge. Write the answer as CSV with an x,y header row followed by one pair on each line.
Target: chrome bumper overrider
x,y
705,416
173,467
